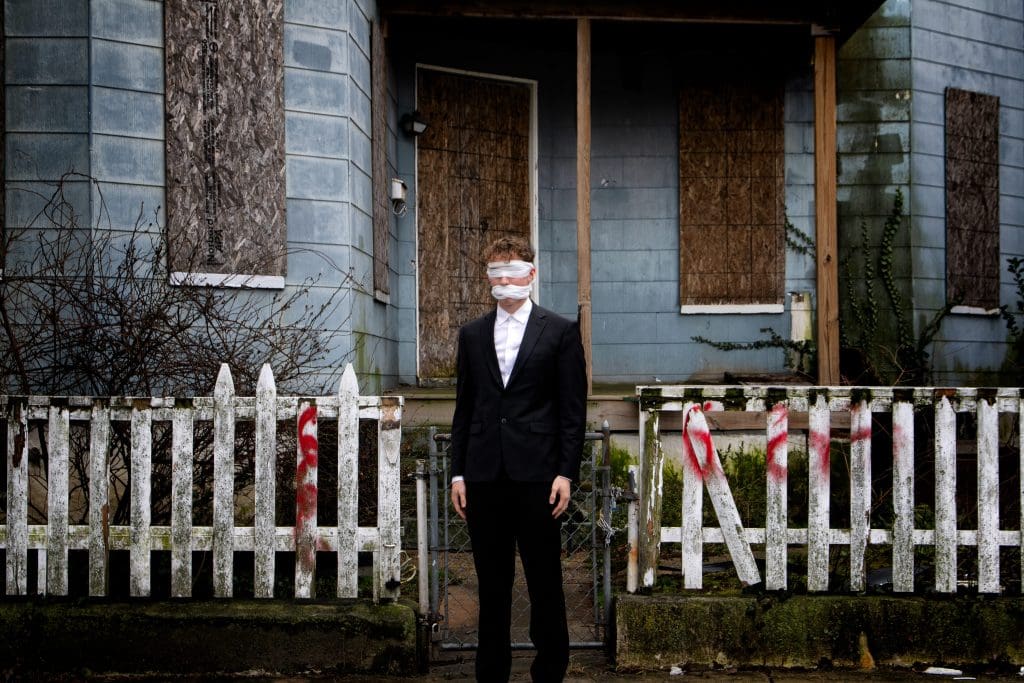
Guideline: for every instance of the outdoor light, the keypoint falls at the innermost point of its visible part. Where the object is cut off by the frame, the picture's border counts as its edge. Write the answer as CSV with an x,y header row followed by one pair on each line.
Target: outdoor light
x,y
412,124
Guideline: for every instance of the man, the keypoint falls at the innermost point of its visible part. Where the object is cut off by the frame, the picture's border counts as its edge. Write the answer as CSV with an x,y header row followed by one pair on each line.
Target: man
x,y
517,438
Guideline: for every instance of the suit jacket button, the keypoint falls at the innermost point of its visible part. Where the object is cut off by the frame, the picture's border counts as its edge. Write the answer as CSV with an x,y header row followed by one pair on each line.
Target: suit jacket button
x,y
504,420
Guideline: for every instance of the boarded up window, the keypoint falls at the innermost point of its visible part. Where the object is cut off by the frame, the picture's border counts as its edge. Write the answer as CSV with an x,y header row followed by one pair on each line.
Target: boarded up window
x,y
731,194
379,123
972,198
3,139
224,62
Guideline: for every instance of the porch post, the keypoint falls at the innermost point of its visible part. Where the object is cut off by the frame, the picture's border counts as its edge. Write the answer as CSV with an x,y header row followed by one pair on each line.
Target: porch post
x,y
825,208
583,189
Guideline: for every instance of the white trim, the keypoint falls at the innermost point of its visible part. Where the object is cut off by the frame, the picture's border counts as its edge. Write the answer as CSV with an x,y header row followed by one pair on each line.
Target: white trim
x,y
974,310
715,309
227,280
534,185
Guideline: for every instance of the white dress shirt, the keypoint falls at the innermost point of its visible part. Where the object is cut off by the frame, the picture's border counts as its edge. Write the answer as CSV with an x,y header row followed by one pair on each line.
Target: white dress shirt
x,y
508,337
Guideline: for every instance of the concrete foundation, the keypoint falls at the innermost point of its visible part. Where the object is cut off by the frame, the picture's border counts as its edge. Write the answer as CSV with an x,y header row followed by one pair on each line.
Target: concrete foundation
x,y
810,631
207,637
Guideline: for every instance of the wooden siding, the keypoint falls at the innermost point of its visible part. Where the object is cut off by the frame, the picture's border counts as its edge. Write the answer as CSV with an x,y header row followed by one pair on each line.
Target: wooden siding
x,y
964,45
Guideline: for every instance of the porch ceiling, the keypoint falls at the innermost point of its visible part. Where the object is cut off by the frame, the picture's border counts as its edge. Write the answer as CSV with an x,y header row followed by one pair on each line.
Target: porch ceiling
x,y
838,16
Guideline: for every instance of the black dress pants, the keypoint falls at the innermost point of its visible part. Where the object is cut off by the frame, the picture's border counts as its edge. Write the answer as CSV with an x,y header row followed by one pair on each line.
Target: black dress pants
x,y
501,515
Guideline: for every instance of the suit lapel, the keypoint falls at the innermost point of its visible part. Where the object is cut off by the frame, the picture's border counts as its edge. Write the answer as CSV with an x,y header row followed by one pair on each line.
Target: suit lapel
x,y
487,344
534,328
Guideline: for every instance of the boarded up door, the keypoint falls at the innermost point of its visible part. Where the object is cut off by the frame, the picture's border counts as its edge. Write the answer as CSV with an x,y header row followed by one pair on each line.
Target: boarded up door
x,y
473,187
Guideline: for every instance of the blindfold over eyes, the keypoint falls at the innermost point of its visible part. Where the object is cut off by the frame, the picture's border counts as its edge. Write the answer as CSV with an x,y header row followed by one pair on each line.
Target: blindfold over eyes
x,y
498,269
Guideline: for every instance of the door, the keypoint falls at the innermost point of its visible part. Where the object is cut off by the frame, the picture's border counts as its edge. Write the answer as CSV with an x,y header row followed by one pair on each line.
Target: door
x,y
474,185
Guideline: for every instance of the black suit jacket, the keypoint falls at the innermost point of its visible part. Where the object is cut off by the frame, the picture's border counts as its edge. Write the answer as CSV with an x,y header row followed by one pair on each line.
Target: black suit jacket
x,y
533,428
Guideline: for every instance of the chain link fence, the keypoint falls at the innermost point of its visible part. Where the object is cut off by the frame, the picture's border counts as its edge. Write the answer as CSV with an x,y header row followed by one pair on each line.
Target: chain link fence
x,y
585,558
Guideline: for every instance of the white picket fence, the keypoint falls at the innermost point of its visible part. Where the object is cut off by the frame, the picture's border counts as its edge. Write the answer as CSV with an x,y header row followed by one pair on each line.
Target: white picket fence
x,y
693,407
54,539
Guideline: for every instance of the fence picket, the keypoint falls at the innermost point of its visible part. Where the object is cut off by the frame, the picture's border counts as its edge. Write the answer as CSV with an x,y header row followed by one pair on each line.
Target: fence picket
x,y
181,502
988,497
265,476
99,507
348,484
903,497
818,490
651,476
692,531
305,499
17,498
777,469
389,442
945,497
704,457
57,444
141,543
223,483
860,491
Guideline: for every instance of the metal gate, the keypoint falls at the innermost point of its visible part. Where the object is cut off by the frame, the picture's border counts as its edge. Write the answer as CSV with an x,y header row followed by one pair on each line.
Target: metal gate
x,y
586,557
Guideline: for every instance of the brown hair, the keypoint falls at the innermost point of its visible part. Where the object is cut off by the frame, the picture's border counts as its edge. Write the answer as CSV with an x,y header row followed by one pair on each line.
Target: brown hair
x,y
518,248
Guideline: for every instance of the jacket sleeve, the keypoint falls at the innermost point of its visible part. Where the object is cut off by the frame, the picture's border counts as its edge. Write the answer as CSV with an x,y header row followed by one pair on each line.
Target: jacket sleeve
x,y
572,401
463,416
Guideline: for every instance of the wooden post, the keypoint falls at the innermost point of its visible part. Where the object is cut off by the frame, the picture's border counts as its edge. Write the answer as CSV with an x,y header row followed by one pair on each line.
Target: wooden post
x,y
651,462
583,189
825,209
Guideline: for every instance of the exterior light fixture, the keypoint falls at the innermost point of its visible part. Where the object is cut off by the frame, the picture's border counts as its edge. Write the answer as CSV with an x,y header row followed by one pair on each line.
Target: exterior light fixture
x,y
412,125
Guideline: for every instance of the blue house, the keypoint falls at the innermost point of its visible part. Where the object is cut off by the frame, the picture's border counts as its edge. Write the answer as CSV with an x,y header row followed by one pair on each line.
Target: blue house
x,y
373,148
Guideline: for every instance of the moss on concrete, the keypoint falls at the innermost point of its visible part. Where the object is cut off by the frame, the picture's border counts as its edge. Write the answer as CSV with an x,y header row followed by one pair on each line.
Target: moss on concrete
x,y
806,631
221,636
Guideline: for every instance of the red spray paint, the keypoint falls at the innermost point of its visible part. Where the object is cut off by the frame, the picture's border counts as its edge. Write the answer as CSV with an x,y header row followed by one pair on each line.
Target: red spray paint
x,y
780,415
305,485
691,433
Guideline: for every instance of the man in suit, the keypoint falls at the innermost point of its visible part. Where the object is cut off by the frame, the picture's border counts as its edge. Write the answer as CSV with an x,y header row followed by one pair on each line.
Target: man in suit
x,y
517,439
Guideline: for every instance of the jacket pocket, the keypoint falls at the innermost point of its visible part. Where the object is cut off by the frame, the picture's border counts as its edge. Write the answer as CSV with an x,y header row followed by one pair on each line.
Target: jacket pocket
x,y
543,427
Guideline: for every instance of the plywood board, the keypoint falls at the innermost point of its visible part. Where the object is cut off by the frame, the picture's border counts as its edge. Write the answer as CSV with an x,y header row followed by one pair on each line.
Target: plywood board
x,y
473,187
731,193
224,68
972,198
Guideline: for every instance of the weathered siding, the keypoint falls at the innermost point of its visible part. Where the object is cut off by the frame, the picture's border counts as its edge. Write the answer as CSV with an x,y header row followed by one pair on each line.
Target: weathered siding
x,y
47,120
639,334
126,86
329,171
978,47
873,140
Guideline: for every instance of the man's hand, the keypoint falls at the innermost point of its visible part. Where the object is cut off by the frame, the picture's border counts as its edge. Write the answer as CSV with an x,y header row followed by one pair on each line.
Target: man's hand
x,y
459,498
559,495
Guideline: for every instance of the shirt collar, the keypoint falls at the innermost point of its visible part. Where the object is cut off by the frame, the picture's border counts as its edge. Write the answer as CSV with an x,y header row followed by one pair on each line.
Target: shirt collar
x,y
522,314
